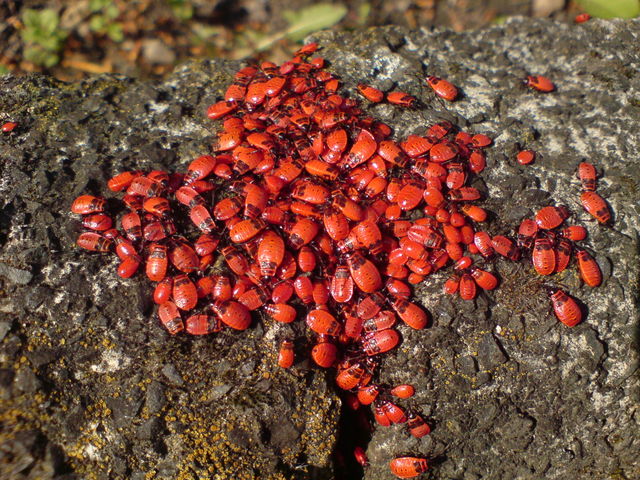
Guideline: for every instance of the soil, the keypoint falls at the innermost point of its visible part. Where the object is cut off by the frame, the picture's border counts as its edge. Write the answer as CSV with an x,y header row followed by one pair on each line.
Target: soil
x,y
159,34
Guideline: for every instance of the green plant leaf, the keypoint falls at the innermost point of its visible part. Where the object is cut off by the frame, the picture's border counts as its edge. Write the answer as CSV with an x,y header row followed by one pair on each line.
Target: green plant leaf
x,y
31,18
39,56
313,18
111,12
611,8
97,5
183,12
114,30
363,13
51,60
49,20
50,43
30,35
98,24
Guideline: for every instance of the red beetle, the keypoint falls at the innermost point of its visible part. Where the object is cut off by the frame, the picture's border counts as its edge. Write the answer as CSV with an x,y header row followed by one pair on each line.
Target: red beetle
x,y
372,94
416,425
221,290
170,317
184,257
94,242
480,140
408,467
206,244
324,354
380,342
596,206
270,253
400,98
281,312
484,279
451,285
525,157
582,17
202,219
467,287
563,254
184,293
8,127
565,307
98,222
286,356
122,180
129,266
364,273
380,416
574,233
302,232
321,321
201,324
368,394
540,83
220,109
442,88
527,233
86,204
351,376
587,175
477,161
410,313
232,314
393,412
482,240
360,456
543,256
589,269
403,391
162,292
157,262
505,247
199,168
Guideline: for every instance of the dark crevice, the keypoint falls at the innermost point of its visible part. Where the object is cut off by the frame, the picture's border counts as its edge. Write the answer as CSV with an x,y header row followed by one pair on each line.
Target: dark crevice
x,y
352,433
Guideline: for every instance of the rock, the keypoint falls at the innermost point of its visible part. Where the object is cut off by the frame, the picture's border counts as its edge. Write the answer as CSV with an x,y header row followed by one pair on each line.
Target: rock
x,y
489,353
4,329
172,375
155,399
26,381
150,429
155,51
15,275
84,343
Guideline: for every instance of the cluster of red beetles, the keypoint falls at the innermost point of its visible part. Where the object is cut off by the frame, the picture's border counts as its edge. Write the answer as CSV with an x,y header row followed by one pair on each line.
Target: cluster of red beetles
x,y
316,212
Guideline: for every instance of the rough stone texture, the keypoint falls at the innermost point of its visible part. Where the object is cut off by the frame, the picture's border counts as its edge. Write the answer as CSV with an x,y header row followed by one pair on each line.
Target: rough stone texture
x,y
92,387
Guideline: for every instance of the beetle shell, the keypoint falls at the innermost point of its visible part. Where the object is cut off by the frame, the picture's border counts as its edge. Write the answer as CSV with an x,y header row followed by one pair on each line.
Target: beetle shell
x,y
565,308
442,88
408,467
170,317
589,269
540,83
323,322
596,206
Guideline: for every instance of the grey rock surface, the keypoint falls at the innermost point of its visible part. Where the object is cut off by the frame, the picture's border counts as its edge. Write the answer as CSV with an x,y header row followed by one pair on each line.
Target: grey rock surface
x,y
92,387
